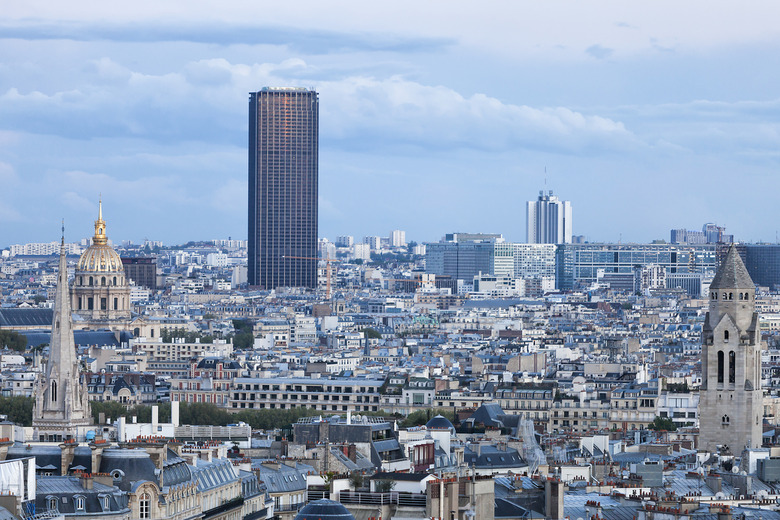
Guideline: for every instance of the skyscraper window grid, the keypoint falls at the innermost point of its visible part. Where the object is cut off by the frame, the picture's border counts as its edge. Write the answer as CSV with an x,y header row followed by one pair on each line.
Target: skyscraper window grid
x,y
283,187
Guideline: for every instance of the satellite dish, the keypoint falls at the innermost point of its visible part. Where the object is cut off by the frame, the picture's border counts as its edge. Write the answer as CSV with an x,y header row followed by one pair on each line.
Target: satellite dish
x,y
735,470
720,495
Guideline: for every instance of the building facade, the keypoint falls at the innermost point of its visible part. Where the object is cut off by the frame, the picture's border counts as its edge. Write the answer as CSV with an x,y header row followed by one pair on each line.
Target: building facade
x,y
141,270
283,183
578,265
100,290
731,400
61,410
549,220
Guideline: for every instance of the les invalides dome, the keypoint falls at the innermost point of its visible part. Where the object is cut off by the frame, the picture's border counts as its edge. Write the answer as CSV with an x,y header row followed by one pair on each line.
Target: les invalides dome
x,y
100,291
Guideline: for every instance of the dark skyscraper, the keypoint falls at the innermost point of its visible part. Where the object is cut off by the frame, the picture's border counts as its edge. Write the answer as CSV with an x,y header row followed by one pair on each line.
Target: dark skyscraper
x,y
283,149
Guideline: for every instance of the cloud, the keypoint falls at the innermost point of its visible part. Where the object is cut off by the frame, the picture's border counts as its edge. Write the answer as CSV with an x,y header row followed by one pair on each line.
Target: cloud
x,y
206,101
385,112
310,41
599,52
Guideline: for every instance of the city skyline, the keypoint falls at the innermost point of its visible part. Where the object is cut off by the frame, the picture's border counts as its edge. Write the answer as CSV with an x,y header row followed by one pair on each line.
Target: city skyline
x,y
638,120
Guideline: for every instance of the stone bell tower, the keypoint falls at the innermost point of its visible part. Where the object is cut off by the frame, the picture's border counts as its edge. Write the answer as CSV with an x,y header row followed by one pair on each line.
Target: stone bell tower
x,y
731,400
61,410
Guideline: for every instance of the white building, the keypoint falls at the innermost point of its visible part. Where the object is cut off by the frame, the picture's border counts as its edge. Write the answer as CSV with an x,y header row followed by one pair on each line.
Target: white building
x,y
361,252
398,238
375,243
345,241
327,249
217,260
549,220
44,249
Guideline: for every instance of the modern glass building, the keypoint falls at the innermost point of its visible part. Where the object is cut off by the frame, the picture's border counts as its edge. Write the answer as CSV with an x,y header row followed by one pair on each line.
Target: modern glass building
x,y
579,264
465,259
763,264
283,176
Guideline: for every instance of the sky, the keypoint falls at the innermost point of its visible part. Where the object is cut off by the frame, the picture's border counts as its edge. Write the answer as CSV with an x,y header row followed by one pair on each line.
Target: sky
x,y
435,117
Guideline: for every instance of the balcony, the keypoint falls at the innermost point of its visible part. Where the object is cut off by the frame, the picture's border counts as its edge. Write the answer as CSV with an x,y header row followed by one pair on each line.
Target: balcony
x,y
379,499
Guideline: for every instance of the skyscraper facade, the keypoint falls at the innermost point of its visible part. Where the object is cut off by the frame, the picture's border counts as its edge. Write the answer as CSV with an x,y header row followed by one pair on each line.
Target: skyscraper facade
x,y
549,220
283,177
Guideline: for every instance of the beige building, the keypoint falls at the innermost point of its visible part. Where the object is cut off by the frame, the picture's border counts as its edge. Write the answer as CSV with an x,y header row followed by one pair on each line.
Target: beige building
x,y
731,400
100,292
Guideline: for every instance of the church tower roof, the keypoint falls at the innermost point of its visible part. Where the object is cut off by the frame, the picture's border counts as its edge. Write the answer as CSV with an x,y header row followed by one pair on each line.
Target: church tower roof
x,y
61,401
732,274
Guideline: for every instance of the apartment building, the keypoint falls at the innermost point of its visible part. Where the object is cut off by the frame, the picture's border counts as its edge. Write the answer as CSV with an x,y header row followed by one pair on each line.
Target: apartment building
x,y
328,395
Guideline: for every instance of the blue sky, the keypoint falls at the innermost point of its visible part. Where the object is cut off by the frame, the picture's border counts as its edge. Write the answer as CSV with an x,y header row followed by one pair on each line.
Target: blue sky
x,y
434,116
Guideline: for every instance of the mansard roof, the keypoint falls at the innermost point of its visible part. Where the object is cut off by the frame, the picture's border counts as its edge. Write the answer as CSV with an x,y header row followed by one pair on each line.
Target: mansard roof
x,y
732,273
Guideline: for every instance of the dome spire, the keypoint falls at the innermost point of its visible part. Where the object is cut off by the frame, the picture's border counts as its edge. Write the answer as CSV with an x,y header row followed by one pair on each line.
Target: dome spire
x,y
100,227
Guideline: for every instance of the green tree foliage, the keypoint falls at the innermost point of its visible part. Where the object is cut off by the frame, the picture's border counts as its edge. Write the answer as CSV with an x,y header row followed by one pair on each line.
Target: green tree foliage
x,y
356,480
143,413
13,340
245,336
385,486
19,409
678,388
372,333
421,417
663,423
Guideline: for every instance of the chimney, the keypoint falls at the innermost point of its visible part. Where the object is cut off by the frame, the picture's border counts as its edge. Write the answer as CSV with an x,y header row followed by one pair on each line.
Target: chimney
x,y
67,452
86,481
553,499
175,413
155,419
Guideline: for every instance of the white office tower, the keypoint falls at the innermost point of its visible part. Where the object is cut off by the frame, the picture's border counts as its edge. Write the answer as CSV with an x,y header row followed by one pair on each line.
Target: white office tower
x,y
549,220
398,238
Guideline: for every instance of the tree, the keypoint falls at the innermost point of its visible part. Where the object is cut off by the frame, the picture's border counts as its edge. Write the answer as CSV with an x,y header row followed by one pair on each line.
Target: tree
x,y
19,409
384,486
372,333
13,340
421,417
356,480
662,423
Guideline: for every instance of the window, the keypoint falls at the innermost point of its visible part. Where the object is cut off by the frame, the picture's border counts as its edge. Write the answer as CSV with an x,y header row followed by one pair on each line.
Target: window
x,y
725,420
79,501
144,506
54,391
720,366
725,335
51,503
732,367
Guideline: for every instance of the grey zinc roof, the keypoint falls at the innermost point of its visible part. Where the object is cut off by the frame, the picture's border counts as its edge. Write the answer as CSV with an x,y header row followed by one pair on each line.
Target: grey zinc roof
x,y
10,318
732,273
214,474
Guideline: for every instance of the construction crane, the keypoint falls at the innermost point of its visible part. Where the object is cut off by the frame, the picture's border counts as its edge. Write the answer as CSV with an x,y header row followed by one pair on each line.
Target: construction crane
x,y
327,261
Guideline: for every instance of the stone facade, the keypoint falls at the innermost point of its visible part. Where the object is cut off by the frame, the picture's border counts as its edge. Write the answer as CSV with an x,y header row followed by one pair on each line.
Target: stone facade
x,y
730,407
100,289
61,408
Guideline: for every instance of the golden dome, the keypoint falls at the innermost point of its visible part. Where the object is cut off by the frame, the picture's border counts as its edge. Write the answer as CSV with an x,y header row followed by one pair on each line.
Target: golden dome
x,y
100,257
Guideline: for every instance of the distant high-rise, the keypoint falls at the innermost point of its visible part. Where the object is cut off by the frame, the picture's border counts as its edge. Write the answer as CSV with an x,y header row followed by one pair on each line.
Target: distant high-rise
x,y
283,176
549,220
